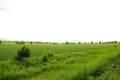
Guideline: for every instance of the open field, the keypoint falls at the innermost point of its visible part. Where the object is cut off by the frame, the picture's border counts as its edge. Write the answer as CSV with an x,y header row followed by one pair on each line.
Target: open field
x,y
62,62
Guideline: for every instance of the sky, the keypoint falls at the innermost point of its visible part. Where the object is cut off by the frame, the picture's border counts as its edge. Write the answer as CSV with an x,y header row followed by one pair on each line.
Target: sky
x,y
60,20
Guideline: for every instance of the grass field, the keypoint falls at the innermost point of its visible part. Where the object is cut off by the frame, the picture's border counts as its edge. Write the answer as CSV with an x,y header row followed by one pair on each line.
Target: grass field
x,y
68,62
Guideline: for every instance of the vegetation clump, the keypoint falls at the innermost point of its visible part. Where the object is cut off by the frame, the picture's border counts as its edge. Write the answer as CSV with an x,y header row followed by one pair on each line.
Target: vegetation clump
x,y
47,56
22,56
23,53
0,42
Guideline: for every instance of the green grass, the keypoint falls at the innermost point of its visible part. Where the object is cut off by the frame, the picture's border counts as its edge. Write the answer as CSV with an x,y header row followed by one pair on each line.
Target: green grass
x,y
69,62
8,51
83,69
111,71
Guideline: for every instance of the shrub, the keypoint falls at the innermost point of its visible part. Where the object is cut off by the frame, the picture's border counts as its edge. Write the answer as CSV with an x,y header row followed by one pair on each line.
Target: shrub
x,y
47,56
0,42
45,59
24,52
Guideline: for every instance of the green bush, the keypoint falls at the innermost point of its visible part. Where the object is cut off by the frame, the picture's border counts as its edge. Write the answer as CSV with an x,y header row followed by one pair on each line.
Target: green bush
x,y
0,42
45,59
47,56
23,53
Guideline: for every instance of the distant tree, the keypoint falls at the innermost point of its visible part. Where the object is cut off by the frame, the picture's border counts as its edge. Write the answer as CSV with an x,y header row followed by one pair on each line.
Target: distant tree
x,y
0,42
31,42
16,42
115,42
112,42
66,42
108,42
22,42
79,42
91,42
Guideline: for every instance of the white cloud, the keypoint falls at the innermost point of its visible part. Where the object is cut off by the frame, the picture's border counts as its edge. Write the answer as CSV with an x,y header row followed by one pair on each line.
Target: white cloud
x,y
52,20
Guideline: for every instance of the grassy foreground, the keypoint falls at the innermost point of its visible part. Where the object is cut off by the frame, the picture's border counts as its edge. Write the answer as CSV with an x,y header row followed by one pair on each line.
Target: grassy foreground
x,y
64,62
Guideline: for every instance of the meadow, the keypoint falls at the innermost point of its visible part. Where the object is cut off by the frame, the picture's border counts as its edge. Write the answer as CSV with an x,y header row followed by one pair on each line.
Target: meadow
x,y
61,62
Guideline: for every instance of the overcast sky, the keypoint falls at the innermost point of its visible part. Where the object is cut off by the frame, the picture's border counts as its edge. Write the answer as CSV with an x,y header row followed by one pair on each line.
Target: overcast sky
x,y
60,20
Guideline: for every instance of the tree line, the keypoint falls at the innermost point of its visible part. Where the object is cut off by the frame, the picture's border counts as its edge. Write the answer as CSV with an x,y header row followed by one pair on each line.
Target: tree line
x,y
67,42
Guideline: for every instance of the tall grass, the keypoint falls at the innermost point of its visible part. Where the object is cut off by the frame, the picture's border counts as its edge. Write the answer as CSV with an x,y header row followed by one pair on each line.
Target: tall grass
x,y
69,64
83,71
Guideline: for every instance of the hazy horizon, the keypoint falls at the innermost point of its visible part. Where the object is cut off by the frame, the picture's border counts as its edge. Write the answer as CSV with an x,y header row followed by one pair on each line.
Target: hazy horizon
x,y
58,21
